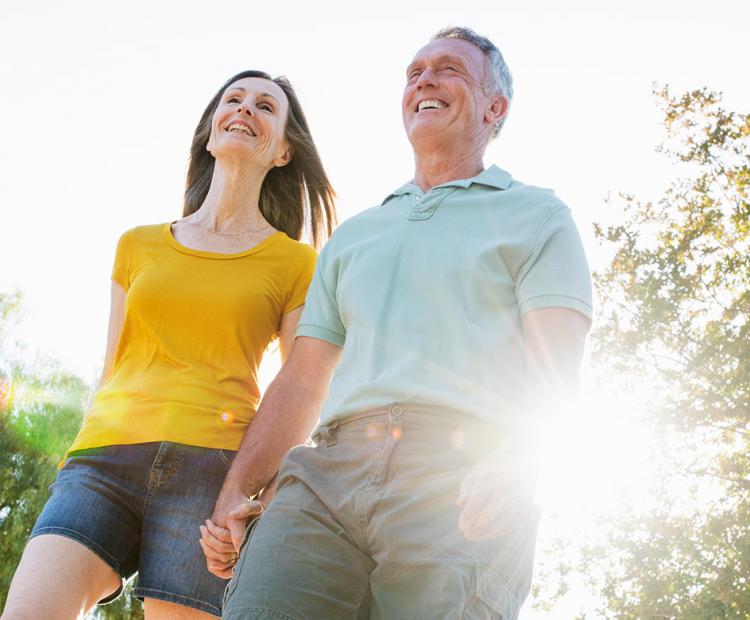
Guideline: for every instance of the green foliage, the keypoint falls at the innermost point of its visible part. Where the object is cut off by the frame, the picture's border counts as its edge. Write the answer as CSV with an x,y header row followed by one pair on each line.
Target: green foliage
x,y
40,414
676,315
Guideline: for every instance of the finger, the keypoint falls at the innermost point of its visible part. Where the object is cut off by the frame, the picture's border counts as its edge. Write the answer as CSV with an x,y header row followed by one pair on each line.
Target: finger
x,y
211,540
466,487
212,557
472,507
215,543
222,570
217,555
247,509
221,533
237,528
222,573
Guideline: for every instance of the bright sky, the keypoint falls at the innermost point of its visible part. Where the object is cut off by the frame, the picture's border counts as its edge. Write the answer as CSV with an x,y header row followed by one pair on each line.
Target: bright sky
x,y
99,102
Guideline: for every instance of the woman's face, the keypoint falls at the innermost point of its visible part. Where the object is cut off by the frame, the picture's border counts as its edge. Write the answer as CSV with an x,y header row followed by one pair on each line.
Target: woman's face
x,y
249,123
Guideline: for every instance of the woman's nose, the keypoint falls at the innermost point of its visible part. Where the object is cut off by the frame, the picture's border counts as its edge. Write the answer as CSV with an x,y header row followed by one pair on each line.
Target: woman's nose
x,y
245,106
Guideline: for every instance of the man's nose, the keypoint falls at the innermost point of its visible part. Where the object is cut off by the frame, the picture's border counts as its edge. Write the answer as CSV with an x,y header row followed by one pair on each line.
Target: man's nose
x,y
426,78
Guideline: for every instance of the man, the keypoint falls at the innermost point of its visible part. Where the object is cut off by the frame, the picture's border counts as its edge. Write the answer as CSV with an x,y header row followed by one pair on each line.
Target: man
x,y
458,309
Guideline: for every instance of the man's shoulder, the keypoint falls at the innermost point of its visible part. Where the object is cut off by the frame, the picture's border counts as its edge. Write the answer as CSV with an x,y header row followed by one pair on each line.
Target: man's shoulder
x,y
541,200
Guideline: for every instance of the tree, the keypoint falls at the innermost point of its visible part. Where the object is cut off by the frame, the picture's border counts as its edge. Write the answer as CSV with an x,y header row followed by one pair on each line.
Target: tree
x,y
676,314
40,414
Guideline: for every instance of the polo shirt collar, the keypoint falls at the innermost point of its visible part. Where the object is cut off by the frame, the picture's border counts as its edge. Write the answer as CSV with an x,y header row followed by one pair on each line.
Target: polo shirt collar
x,y
491,177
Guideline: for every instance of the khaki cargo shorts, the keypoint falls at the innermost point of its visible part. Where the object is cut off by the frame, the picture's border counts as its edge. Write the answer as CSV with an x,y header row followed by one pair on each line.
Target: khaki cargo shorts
x,y
364,525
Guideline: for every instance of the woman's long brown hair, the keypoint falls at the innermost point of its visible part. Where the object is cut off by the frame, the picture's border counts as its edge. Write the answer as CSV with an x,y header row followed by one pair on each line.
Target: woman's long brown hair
x,y
293,197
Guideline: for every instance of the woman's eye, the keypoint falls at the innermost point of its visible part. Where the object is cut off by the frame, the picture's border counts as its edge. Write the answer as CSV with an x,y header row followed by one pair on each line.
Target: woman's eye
x,y
266,106
233,100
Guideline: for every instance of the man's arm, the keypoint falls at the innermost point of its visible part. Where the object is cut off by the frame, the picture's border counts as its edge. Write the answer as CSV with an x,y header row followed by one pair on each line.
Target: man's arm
x,y
554,340
499,493
285,418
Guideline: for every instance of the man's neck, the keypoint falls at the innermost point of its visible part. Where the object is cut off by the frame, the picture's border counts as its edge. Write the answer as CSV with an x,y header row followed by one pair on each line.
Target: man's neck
x,y
438,167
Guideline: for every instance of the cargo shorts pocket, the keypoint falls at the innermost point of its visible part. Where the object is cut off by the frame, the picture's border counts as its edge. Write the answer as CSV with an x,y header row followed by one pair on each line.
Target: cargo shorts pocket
x,y
232,585
489,597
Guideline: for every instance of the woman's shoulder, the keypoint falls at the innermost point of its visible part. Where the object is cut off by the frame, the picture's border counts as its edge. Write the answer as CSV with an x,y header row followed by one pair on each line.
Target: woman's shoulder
x,y
298,250
143,232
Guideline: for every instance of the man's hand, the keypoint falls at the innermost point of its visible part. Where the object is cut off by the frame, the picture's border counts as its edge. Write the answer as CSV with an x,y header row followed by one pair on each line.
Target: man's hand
x,y
231,497
497,496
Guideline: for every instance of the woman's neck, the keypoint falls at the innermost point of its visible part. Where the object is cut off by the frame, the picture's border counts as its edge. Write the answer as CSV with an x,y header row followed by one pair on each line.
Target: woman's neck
x,y
232,202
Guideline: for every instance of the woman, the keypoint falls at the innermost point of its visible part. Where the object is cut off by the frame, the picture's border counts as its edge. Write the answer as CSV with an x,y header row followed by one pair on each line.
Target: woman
x,y
194,305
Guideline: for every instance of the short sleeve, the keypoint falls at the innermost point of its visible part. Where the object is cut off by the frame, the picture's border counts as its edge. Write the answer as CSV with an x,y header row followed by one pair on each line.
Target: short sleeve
x,y
300,274
556,273
321,319
122,269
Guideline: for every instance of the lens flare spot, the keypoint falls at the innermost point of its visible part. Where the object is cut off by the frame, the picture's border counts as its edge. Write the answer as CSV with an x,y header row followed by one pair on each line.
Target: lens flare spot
x,y
396,433
227,417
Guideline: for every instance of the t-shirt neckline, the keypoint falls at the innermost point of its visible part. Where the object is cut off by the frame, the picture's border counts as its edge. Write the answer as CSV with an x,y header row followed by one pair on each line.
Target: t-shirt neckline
x,y
170,239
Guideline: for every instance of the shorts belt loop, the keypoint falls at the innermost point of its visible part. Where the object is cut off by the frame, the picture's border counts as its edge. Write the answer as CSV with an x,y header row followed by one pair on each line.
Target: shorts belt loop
x,y
394,434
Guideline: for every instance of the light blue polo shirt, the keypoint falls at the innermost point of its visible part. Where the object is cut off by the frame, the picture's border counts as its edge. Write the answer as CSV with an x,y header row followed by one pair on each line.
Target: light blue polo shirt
x,y
425,294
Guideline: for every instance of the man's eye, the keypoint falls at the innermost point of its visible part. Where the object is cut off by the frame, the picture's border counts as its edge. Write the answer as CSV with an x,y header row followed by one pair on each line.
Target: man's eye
x,y
414,75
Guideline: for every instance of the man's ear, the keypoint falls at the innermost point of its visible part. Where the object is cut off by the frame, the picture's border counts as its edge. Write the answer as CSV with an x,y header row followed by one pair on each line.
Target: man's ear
x,y
497,109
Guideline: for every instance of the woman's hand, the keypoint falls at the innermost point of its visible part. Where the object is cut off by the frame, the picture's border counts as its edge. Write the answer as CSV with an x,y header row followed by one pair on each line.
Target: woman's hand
x,y
221,545
221,555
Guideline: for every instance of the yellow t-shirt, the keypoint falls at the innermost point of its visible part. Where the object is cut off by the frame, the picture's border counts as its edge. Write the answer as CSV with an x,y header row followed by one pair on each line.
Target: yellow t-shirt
x,y
195,328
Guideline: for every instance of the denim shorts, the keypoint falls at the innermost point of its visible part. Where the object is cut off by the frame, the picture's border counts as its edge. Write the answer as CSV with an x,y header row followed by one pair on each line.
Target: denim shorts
x,y
139,507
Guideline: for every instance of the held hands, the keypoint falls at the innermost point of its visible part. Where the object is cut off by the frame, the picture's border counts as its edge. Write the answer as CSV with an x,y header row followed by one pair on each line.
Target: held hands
x,y
497,496
221,544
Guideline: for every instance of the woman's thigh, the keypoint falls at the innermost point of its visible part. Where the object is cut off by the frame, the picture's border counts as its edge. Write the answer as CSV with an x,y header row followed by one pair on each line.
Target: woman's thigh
x,y
58,577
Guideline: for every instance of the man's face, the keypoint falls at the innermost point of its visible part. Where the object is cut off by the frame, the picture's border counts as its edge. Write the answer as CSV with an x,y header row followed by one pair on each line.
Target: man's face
x,y
445,95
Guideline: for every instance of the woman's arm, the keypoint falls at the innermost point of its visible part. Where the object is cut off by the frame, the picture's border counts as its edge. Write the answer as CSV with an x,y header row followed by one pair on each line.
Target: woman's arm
x,y
286,333
116,316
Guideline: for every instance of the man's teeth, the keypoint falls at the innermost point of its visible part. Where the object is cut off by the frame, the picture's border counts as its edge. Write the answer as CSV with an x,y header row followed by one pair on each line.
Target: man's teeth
x,y
432,104
240,127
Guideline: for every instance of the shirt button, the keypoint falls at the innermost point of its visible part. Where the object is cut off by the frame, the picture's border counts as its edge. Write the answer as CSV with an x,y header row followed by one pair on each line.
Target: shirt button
x,y
397,410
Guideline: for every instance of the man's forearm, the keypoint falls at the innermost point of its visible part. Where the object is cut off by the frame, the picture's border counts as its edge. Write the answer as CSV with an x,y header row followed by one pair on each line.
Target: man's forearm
x,y
287,415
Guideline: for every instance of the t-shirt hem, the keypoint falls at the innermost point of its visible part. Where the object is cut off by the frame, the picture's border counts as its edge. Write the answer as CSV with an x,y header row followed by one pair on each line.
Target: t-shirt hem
x,y
293,305
103,443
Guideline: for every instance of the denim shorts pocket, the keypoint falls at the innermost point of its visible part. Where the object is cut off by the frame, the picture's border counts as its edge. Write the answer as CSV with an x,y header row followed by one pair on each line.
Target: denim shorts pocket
x,y
232,585
226,457
489,597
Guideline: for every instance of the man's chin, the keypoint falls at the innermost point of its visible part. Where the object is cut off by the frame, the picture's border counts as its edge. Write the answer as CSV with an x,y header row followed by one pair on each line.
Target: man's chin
x,y
431,131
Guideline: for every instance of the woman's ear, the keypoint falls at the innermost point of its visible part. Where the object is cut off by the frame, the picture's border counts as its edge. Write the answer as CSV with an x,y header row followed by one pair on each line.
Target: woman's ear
x,y
284,158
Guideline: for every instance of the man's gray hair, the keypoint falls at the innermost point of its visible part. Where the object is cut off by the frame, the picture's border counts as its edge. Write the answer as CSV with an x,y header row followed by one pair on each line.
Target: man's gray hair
x,y
499,79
